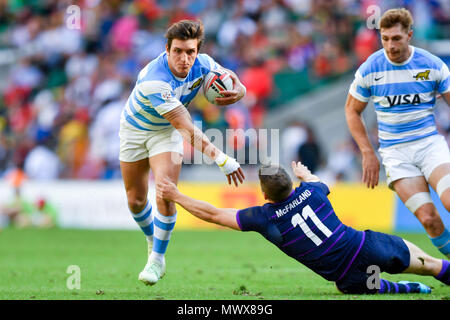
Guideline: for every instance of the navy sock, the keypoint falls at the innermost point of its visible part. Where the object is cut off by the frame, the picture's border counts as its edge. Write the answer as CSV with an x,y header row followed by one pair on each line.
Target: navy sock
x,y
395,287
444,275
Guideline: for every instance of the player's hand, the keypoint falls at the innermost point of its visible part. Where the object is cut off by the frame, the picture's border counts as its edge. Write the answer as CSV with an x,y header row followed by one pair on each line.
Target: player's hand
x,y
232,96
235,176
302,172
167,190
371,169
231,168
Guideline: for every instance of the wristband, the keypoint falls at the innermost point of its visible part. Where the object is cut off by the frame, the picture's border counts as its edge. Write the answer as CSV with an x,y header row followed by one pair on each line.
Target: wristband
x,y
221,160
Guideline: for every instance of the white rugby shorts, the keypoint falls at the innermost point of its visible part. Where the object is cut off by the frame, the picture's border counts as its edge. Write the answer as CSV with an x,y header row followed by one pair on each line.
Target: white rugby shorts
x,y
138,144
415,158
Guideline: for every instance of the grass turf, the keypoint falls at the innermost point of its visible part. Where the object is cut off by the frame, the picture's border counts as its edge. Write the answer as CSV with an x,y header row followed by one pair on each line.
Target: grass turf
x,y
203,265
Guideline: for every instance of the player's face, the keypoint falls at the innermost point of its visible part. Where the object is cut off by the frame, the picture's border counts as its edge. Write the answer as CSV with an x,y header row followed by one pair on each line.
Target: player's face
x,y
181,56
395,42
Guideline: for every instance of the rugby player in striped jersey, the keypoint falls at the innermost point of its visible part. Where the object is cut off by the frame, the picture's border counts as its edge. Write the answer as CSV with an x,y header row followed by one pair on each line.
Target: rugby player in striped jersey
x,y
154,122
404,82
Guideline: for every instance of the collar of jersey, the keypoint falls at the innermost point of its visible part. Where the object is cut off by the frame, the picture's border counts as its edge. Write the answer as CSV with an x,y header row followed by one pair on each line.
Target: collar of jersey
x,y
401,63
282,201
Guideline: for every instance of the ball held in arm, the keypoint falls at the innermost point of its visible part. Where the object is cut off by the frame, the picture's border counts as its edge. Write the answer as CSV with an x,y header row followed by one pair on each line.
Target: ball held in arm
x,y
215,82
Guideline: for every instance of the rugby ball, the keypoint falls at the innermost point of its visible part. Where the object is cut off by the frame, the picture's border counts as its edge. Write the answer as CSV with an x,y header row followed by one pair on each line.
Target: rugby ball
x,y
215,82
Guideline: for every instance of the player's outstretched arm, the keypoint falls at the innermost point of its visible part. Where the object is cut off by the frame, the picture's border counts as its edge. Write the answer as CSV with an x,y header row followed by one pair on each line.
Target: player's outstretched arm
x,y
370,163
167,190
232,96
181,120
302,172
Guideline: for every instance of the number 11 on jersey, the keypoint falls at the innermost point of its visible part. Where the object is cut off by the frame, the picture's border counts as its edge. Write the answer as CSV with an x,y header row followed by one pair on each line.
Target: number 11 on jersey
x,y
307,212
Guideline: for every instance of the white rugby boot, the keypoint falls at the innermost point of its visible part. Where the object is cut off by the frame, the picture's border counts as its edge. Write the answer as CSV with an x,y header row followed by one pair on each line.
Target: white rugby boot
x,y
153,271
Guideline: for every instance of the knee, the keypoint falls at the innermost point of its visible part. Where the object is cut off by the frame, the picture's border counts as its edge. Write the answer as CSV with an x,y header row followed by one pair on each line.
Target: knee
x,y
136,203
428,217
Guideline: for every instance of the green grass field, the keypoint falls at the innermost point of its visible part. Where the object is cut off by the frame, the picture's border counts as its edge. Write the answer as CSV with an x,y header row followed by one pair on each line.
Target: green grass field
x,y
206,265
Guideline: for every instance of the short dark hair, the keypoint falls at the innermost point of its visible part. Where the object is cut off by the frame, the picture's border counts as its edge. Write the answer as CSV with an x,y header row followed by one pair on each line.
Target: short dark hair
x,y
275,182
184,30
393,17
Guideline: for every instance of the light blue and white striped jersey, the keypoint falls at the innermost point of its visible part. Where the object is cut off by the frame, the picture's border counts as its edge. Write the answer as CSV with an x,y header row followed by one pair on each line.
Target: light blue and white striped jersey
x,y
404,94
158,91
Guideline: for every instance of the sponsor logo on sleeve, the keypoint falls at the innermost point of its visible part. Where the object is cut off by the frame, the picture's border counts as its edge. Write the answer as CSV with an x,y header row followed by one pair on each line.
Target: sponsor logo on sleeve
x,y
166,95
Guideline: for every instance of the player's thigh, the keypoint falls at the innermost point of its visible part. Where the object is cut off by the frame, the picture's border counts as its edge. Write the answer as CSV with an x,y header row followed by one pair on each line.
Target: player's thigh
x,y
166,154
135,178
415,194
438,173
407,187
399,164
387,251
434,159
435,164
166,165
440,181
134,166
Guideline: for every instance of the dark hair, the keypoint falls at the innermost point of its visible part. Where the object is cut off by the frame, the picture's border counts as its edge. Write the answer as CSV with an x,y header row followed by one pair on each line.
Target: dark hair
x,y
393,17
184,30
275,182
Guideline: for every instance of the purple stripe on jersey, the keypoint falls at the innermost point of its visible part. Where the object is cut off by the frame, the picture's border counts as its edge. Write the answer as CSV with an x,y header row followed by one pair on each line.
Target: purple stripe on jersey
x,y
237,220
304,235
388,287
328,249
351,261
320,207
283,233
306,252
310,250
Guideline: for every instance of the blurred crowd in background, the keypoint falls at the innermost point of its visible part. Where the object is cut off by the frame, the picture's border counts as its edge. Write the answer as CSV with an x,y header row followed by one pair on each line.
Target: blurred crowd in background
x,y
65,87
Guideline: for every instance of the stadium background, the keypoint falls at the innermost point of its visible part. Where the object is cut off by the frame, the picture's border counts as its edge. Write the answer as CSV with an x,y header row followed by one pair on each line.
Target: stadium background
x,y
63,89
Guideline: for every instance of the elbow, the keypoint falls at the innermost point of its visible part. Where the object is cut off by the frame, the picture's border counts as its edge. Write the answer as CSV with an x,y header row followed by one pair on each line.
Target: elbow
x,y
178,124
212,217
351,115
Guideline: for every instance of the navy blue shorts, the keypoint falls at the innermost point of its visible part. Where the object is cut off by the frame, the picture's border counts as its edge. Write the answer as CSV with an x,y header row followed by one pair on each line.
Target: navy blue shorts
x,y
388,252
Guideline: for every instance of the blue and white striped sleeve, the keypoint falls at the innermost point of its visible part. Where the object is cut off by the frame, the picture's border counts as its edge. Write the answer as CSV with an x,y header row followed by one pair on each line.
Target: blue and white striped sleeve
x,y
158,95
444,83
358,88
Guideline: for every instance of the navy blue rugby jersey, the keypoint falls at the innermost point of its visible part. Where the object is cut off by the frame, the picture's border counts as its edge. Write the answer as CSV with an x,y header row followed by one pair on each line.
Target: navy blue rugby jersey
x,y
306,228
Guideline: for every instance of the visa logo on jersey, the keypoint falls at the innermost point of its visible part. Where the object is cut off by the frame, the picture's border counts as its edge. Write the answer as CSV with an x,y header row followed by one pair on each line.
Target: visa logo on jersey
x,y
403,99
